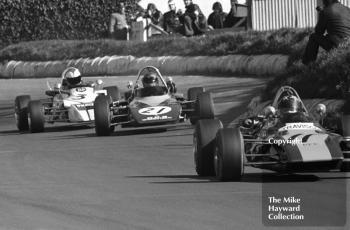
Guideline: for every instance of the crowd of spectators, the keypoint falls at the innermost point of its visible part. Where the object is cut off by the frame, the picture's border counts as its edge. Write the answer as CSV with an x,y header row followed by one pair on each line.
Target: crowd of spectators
x,y
192,22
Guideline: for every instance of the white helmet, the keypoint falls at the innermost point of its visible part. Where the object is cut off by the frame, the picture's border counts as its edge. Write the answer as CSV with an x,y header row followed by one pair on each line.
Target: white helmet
x,y
72,75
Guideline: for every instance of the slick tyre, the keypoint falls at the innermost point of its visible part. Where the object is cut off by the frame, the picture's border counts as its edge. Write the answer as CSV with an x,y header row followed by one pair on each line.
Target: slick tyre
x,y
192,95
229,155
102,116
36,117
205,106
204,146
113,92
345,167
21,112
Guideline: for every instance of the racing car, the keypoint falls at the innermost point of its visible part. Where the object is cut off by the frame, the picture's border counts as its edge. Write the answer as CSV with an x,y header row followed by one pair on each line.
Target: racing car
x,y
65,103
283,138
151,101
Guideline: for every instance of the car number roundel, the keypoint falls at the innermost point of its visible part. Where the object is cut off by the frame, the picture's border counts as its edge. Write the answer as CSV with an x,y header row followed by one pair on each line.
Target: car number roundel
x,y
157,110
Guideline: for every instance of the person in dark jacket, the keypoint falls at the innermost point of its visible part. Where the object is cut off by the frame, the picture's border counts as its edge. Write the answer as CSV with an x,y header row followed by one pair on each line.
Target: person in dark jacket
x,y
217,18
231,18
334,19
171,19
194,22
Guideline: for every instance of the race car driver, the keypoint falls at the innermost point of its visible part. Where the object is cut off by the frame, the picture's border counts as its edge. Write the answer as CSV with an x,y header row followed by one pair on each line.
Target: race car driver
x,y
71,78
151,86
290,109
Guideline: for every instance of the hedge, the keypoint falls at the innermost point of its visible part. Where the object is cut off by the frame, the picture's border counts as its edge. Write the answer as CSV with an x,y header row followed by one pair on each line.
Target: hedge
x,y
28,20
284,41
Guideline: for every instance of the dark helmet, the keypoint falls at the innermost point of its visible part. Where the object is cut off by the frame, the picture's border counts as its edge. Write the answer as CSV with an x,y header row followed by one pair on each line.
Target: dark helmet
x,y
289,104
150,79
72,76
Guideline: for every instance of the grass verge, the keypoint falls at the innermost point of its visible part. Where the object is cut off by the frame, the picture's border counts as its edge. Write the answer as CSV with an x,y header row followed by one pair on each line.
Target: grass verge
x,y
283,41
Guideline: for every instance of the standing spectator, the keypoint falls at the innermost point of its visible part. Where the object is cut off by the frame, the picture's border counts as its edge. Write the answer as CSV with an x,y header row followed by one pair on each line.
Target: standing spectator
x,y
194,22
172,19
231,18
217,18
333,19
118,28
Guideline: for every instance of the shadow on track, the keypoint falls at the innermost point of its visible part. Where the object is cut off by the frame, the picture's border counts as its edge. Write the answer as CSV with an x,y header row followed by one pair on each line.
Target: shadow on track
x,y
116,133
247,178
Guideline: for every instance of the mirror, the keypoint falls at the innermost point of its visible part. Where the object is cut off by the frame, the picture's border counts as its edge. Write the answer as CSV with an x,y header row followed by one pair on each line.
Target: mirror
x,y
321,109
169,79
269,111
57,86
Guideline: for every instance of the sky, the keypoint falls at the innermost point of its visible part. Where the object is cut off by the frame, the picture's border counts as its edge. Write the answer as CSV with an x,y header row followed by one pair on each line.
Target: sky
x,y
205,5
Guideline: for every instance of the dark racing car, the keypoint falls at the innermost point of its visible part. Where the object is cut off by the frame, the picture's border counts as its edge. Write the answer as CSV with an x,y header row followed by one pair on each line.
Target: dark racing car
x,y
151,101
284,138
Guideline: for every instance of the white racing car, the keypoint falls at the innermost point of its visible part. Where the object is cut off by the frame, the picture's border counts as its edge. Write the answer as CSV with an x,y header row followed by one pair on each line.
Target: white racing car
x,y
72,103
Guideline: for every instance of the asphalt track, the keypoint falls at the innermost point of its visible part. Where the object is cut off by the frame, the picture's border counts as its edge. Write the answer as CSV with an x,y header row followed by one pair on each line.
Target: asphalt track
x,y
67,178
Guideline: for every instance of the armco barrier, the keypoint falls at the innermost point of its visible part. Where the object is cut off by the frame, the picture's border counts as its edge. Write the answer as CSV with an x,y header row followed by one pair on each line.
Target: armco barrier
x,y
117,65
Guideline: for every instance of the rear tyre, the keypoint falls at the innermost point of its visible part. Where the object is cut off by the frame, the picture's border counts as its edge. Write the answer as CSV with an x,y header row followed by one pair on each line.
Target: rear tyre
x,y
205,106
127,94
113,92
102,116
36,116
192,95
21,112
204,146
229,155
345,167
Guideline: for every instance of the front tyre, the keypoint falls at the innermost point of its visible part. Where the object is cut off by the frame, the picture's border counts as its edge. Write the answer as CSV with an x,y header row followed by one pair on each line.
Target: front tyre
x,y
229,155
102,116
204,146
113,92
36,116
21,112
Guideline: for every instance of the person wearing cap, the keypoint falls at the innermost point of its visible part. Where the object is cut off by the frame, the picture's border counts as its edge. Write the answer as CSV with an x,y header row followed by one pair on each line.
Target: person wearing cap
x,y
333,19
171,20
118,27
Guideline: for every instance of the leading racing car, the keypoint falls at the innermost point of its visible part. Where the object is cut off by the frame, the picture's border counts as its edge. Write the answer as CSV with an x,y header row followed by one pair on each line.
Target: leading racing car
x,y
71,100
283,138
151,101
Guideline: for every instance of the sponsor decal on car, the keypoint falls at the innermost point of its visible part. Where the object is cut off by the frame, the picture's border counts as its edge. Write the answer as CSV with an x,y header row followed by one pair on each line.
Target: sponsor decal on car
x,y
80,89
156,118
84,105
154,111
295,126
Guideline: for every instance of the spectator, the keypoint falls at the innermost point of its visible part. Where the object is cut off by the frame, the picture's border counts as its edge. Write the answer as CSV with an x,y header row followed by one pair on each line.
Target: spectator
x,y
217,18
155,17
333,19
195,22
172,19
118,28
231,18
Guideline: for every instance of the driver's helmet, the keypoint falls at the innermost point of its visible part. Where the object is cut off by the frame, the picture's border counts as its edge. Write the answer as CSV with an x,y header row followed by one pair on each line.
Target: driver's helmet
x,y
150,80
72,76
289,104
